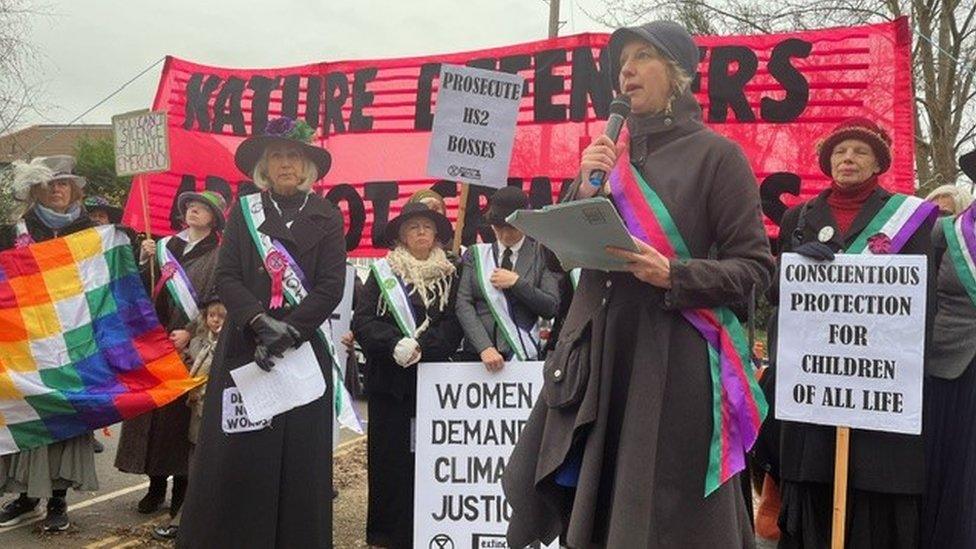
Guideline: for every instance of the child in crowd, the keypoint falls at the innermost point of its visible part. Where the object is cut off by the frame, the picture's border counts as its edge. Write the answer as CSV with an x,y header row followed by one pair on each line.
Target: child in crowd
x,y
200,355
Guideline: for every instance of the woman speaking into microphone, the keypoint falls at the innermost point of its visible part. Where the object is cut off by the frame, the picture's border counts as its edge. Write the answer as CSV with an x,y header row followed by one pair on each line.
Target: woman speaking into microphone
x,y
649,403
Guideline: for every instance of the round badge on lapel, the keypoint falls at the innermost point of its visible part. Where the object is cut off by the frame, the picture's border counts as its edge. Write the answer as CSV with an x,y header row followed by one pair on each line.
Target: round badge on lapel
x,y
826,234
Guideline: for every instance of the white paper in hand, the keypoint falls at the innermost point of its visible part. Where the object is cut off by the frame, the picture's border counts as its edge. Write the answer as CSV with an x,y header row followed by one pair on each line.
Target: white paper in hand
x,y
295,380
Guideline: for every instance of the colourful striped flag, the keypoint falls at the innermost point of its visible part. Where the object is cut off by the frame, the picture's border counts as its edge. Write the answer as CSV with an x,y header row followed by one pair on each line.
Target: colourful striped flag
x,y
80,345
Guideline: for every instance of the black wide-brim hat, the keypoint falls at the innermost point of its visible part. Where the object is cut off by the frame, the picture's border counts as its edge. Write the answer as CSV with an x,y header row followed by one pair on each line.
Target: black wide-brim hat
x,y
284,131
504,203
967,163
445,232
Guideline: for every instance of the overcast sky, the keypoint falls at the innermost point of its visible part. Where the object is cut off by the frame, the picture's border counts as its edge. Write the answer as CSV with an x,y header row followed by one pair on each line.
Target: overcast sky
x,y
89,48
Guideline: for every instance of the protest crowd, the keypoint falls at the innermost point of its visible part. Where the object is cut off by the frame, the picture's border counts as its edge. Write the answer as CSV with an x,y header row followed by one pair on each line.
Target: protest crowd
x,y
656,426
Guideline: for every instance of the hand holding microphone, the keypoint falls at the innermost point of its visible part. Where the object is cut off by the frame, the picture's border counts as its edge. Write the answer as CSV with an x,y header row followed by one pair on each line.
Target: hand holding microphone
x,y
600,156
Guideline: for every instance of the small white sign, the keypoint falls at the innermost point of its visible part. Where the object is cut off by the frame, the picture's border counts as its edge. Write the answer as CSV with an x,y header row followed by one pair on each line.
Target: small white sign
x,y
141,142
234,419
295,380
468,421
851,341
474,125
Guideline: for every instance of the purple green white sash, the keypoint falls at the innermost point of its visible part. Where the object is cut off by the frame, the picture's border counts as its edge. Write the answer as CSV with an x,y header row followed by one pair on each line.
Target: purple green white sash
x,y
898,220
295,290
175,279
960,236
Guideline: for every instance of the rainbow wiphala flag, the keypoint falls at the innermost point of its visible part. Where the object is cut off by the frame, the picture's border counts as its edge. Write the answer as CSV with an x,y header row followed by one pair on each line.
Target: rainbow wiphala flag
x,y
80,344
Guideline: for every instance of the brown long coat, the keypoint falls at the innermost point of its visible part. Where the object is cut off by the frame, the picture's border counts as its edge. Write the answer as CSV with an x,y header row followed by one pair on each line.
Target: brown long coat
x,y
635,391
156,443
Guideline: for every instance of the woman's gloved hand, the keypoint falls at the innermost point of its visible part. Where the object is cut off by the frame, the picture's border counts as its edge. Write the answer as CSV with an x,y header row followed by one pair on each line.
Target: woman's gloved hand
x,y
816,250
407,352
263,358
274,334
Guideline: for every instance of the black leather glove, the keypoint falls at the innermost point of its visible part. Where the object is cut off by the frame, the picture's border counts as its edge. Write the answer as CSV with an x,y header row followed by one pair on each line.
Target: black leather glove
x,y
815,250
262,356
275,334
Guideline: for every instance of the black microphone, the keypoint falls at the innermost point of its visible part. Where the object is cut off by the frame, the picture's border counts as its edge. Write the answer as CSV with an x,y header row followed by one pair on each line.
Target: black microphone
x,y
619,110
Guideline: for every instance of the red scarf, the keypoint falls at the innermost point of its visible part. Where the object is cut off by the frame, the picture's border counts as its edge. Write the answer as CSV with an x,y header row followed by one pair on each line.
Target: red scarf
x,y
846,203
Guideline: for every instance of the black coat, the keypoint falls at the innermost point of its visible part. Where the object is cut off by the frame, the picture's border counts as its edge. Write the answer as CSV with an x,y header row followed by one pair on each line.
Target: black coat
x,y
879,462
392,405
271,487
378,335
156,443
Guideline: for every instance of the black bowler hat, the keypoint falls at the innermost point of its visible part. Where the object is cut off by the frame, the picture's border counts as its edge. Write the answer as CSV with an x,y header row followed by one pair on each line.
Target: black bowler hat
x,y
504,203
445,232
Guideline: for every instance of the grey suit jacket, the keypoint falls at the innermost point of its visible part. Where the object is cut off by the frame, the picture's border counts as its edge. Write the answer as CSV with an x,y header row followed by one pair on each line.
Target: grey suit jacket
x,y
954,328
534,296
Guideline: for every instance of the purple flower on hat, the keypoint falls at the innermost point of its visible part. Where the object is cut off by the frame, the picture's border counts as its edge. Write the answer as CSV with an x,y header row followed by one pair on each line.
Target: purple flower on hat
x,y
289,128
280,127
879,244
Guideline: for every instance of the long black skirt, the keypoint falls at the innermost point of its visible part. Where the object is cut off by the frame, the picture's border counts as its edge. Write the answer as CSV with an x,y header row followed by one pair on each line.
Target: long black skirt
x,y
874,520
949,505
389,516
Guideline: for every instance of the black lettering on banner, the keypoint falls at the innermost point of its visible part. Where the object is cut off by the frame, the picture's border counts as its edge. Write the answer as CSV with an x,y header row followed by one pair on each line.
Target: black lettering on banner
x,y
487,63
313,101
729,90
796,85
356,220
696,78
546,85
198,92
289,96
337,92
772,188
515,63
361,99
381,194
424,115
540,192
589,81
227,107
262,86
474,218
447,189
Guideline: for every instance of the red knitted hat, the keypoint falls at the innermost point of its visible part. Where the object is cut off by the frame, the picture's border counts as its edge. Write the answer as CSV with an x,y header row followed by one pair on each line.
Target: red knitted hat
x,y
861,129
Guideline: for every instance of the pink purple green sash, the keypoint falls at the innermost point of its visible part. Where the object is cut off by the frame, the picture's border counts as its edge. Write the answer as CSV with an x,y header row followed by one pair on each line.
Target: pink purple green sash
x,y
960,236
738,405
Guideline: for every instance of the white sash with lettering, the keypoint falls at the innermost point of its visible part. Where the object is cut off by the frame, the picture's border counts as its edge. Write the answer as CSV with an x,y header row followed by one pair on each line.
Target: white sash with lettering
x,y
525,343
395,296
253,209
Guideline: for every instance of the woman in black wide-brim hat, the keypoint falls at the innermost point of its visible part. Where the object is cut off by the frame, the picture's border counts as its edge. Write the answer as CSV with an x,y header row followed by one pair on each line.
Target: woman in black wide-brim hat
x,y
270,485
405,317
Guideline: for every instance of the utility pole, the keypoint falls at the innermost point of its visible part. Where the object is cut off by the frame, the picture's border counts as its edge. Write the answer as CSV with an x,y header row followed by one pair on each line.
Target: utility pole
x,y
553,18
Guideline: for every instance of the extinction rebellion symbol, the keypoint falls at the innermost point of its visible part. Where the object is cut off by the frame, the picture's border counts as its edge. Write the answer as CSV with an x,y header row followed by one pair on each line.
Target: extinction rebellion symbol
x,y
441,541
